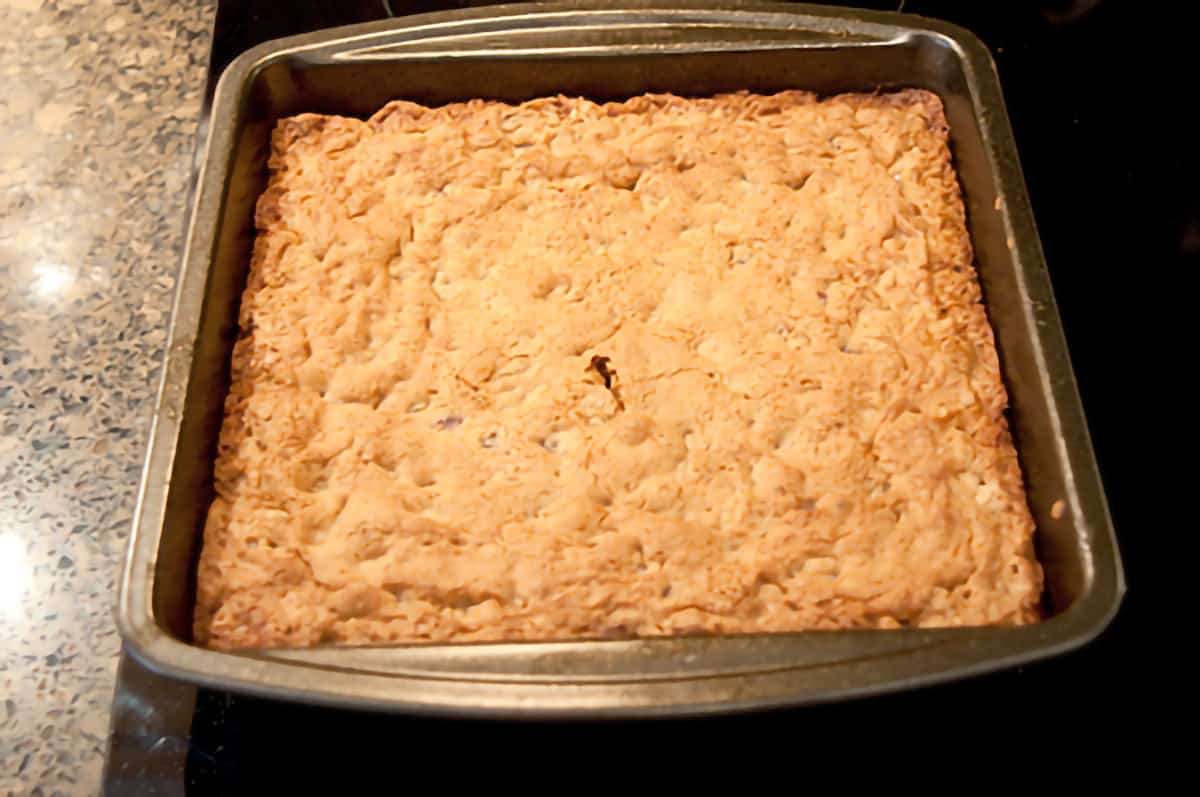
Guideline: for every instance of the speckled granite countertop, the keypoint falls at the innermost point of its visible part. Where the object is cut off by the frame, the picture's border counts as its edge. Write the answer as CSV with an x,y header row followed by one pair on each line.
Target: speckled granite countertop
x,y
98,108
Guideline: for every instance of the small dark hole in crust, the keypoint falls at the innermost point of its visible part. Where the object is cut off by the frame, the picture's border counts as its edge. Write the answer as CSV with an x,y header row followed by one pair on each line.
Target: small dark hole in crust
x,y
600,365
603,366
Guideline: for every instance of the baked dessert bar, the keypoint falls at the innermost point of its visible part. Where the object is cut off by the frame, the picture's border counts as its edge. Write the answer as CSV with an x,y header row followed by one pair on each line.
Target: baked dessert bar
x,y
564,369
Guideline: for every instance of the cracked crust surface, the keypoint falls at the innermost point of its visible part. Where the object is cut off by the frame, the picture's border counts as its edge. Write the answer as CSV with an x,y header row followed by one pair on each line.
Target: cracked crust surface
x,y
565,369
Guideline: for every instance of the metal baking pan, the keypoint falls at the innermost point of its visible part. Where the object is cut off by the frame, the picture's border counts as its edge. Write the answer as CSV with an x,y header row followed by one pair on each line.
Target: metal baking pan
x,y
608,51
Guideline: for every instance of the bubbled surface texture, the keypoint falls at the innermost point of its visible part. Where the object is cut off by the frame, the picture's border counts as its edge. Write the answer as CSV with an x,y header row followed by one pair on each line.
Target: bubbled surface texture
x,y
566,369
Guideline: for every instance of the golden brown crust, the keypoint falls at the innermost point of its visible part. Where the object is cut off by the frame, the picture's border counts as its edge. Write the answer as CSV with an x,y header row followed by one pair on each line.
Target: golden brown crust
x,y
655,367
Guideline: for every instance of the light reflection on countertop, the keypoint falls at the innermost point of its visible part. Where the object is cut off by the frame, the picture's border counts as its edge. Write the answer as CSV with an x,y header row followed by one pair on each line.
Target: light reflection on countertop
x,y
14,574
51,280
98,107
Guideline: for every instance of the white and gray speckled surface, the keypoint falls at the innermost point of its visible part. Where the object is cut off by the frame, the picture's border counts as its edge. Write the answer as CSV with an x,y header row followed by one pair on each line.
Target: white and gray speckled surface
x,y
98,108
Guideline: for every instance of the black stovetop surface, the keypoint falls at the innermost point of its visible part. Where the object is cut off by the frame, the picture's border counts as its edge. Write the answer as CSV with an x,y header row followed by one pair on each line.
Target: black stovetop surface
x,y
1094,89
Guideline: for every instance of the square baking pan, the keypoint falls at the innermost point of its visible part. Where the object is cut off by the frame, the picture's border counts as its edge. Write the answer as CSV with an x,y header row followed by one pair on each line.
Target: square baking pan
x,y
613,51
